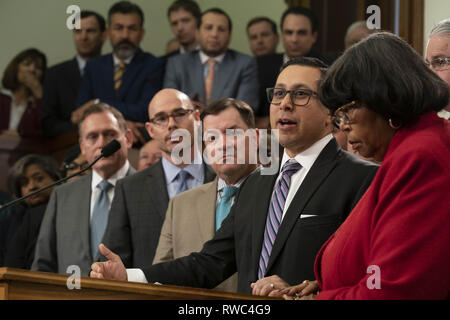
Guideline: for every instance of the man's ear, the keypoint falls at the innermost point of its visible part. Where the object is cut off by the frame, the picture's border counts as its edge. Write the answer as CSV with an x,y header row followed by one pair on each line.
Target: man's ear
x,y
149,128
315,34
129,137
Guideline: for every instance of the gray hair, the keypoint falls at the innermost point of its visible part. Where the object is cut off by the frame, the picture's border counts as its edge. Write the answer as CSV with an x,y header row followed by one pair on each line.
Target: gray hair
x,y
442,28
361,24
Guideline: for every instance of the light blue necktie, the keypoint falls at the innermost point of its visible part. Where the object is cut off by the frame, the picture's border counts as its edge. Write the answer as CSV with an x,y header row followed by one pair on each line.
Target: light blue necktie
x,y
182,179
224,206
99,216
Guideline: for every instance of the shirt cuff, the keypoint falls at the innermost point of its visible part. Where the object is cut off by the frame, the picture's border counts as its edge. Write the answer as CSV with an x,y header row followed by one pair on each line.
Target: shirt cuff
x,y
136,275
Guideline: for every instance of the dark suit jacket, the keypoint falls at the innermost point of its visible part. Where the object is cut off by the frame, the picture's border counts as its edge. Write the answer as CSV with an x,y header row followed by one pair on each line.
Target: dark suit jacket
x,y
61,85
330,190
20,252
141,80
137,215
268,69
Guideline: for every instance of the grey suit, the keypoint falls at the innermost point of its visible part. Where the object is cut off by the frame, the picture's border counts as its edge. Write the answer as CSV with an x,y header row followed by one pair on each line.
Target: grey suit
x,y
64,237
235,77
137,215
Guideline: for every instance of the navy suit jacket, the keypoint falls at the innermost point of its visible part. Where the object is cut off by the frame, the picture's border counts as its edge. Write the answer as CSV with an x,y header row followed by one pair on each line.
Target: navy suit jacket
x,y
142,79
61,85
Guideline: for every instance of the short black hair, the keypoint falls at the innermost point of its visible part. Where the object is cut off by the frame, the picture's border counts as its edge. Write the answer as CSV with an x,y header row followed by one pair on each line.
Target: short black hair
x,y
304,12
186,5
386,75
245,111
100,19
272,23
307,62
125,7
219,11
17,171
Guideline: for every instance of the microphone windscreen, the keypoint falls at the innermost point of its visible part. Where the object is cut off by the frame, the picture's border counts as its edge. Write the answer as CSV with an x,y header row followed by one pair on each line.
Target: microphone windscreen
x,y
110,148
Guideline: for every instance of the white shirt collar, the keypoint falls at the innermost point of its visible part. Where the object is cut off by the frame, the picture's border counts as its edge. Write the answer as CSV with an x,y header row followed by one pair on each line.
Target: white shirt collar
x,y
121,173
285,58
204,57
309,156
81,63
126,61
183,50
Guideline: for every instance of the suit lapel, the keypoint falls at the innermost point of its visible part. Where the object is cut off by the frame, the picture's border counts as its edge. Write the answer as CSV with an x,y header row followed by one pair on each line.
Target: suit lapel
x,y
321,168
108,75
197,76
223,72
84,192
261,205
206,202
157,188
131,72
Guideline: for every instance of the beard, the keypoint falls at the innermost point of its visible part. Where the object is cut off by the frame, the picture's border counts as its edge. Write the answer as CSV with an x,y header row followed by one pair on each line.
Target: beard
x,y
125,52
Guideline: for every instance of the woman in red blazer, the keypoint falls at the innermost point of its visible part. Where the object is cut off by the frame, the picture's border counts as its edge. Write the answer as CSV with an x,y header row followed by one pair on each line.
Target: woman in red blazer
x,y
20,97
396,242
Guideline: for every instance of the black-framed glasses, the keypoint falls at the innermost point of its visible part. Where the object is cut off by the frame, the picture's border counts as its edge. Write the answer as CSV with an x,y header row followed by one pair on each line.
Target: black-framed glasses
x,y
340,116
439,63
299,97
162,119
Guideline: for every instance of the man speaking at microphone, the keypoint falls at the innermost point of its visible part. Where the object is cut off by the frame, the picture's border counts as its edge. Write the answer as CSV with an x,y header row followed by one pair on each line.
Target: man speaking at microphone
x,y
77,213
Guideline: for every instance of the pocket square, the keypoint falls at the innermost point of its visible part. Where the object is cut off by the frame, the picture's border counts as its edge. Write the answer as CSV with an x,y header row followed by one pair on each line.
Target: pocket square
x,y
304,216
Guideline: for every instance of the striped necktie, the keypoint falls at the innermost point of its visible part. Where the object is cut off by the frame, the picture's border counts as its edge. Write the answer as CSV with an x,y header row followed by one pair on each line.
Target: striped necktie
x,y
119,70
276,213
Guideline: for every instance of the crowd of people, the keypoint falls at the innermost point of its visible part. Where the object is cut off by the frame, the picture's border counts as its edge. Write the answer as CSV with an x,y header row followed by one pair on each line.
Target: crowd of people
x,y
356,209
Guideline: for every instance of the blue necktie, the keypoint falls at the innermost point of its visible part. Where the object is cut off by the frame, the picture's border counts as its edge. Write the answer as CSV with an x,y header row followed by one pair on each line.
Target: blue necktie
x,y
276,213
99,216
182,179
224,206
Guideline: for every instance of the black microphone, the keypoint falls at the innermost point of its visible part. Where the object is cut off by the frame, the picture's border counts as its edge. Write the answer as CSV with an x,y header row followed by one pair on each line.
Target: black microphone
x,y
107,150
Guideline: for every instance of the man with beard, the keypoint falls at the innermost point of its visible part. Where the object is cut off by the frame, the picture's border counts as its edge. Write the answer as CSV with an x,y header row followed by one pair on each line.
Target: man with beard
x,y
128,78
140,203
214,72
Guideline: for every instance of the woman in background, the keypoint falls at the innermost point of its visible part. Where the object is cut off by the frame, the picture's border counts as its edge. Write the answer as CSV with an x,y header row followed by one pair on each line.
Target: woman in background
x,y
20,97
29,174
396,242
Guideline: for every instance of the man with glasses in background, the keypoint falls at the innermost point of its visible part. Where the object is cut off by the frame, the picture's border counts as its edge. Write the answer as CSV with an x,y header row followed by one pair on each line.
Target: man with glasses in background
x,y
438,56
278,222
140,203
77,213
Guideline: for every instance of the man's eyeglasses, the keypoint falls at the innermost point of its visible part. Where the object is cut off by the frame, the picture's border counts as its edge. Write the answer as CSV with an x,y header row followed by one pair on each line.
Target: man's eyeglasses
x,y
299,97
439,64
162,119
340,116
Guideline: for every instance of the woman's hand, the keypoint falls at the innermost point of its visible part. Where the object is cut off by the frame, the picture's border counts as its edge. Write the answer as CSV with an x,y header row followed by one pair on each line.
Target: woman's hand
x,y
307,290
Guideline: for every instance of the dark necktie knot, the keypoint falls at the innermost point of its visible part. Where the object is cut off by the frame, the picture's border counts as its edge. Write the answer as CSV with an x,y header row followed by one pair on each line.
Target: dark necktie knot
x,y
291,167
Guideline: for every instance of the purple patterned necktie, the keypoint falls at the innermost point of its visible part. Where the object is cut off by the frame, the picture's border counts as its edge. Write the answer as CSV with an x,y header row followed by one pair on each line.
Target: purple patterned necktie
x,y
276,213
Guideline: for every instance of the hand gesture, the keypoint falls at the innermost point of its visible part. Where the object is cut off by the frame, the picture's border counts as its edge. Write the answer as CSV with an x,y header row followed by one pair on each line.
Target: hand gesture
x,y
269,286
113,269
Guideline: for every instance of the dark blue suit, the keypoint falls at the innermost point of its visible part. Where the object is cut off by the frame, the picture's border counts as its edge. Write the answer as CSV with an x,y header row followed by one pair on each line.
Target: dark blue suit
x,y
142,79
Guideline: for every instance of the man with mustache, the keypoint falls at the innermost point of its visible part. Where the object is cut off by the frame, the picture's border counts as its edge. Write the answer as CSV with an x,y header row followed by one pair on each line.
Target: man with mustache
x,y
139,206
128,78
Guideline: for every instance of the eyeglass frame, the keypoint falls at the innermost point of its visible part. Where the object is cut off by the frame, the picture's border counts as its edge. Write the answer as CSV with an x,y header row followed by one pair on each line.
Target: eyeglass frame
x,y
310,94
446,66
346,120
169,115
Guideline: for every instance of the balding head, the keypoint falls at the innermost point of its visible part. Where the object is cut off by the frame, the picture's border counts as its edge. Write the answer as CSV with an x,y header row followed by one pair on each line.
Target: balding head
x,y
169,110
356,32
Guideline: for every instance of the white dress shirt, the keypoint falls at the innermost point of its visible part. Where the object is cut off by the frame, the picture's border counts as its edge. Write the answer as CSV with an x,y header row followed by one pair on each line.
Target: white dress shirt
x,y
96,179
